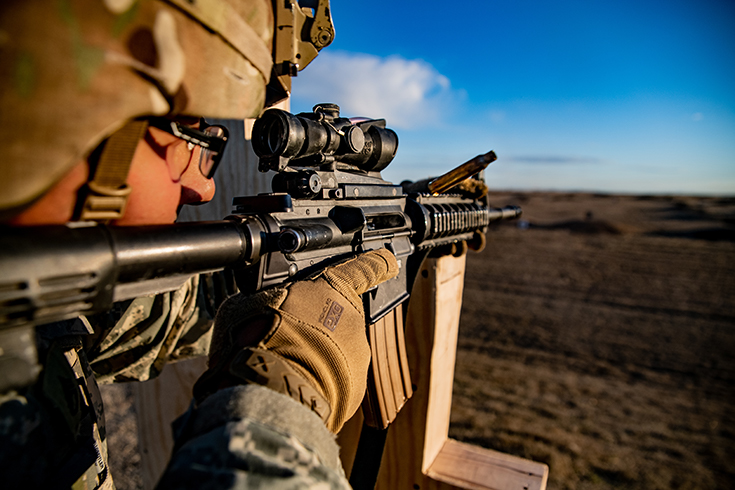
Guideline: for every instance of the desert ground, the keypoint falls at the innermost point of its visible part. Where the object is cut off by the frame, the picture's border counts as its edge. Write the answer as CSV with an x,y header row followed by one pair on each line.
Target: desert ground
x,y
597,336
602,329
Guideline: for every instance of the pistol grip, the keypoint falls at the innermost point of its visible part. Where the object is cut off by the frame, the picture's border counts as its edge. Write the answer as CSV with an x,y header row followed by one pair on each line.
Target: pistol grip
x,y
389,380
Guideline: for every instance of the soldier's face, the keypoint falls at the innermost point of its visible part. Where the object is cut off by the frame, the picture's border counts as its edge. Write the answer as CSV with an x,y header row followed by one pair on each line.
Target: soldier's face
x,y
162,178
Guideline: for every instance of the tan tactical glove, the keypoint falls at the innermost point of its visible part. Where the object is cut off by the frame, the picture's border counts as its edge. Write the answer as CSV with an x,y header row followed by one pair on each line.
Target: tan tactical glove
x,y
306,339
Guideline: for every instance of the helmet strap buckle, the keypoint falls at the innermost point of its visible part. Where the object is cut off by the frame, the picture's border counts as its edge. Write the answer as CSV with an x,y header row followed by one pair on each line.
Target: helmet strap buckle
x,y
102,203
105,196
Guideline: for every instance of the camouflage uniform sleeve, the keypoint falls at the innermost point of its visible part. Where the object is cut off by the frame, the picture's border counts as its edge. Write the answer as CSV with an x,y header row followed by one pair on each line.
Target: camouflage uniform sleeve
x,y
251,437
134,340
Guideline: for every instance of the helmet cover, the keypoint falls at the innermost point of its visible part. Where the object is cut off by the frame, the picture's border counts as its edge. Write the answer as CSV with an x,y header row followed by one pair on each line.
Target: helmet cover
x,y
72,72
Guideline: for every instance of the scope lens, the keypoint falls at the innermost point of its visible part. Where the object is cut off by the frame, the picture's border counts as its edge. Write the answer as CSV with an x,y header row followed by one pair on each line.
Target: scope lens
x,y
274,136
277,134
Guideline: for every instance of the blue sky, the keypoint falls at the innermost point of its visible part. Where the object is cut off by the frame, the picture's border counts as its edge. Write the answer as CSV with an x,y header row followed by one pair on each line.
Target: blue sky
x,y
613,96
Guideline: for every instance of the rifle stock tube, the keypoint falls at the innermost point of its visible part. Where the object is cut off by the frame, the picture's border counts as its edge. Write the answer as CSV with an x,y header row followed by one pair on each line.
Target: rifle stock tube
x,y
149,252
57,272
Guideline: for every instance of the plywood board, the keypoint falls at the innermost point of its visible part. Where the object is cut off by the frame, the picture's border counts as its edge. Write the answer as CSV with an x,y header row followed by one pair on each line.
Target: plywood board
x,y
418,452
158,403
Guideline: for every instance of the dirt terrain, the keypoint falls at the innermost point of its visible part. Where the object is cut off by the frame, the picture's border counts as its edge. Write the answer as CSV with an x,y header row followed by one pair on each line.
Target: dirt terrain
x,y
597,336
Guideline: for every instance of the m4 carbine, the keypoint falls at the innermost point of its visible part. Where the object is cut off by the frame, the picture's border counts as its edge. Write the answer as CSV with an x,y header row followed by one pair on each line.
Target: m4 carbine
x,y
329,202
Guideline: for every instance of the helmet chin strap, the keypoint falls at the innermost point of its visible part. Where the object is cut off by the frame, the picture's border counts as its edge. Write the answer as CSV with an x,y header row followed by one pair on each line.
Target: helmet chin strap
x,y
105,195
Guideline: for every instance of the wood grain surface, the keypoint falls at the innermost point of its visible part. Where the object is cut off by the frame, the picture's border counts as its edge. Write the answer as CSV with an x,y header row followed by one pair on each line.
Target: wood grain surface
x,y
418,452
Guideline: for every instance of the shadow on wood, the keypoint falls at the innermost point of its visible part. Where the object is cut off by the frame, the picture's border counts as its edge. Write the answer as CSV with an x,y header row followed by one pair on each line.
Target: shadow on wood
x,y
158,403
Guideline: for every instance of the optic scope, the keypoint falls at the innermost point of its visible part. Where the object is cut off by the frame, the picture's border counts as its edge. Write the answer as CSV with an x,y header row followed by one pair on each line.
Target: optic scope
x,y
322,137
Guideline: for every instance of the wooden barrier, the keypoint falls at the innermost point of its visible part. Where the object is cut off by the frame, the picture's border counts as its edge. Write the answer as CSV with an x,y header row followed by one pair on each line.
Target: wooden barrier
x,y
159,402
419,453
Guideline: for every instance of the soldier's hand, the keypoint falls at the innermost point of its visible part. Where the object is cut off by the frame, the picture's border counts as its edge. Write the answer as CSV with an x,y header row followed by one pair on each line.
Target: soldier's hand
x,y
306,340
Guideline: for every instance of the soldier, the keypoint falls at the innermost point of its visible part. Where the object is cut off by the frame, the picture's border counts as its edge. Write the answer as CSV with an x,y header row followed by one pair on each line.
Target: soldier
x,y
101,106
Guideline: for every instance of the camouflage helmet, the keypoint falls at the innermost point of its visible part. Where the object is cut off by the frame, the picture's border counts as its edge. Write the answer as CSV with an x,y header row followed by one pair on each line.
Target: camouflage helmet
x,y
73,72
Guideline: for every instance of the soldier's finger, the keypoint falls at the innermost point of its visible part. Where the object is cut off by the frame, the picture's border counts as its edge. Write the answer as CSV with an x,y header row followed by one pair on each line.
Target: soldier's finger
x,y
364,271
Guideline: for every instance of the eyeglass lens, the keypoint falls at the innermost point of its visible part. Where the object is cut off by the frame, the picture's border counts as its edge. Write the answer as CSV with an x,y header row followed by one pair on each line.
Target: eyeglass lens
x,y
209,159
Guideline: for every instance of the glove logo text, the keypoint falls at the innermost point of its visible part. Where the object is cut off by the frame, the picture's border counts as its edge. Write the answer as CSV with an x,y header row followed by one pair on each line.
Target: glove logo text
x,y
333,314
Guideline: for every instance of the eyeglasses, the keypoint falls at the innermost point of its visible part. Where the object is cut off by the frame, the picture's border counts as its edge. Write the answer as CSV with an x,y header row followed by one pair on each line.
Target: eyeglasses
x,y
211,139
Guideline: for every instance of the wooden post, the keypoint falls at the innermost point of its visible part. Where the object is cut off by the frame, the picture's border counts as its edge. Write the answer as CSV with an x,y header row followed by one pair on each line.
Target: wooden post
x,y
419,453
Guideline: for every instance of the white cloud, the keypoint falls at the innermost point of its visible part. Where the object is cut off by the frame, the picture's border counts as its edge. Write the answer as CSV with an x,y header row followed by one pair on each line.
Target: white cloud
x,y
407,93
497,116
